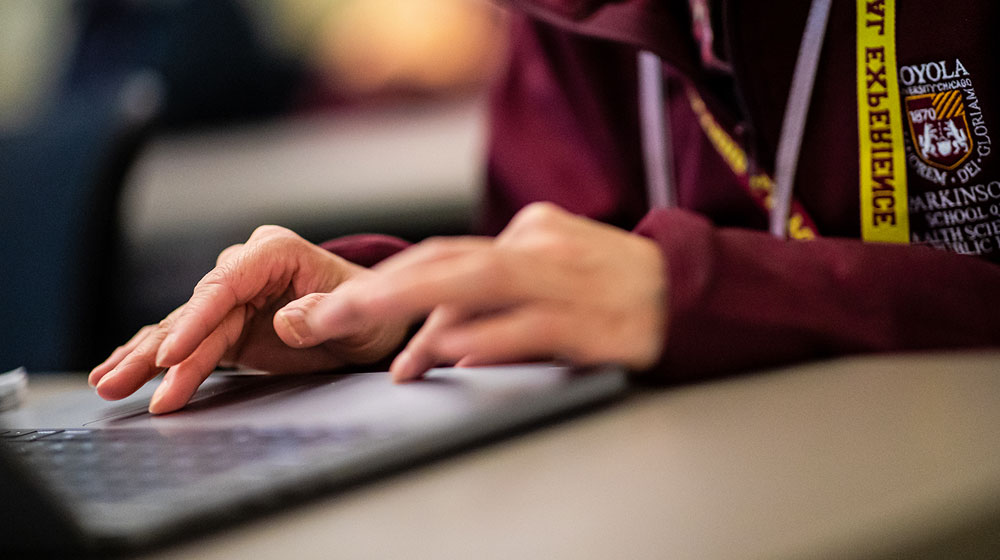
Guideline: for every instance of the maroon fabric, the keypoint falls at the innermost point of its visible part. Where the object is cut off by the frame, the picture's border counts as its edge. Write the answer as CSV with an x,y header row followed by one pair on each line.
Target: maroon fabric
x,y
742,299
366,249
565,129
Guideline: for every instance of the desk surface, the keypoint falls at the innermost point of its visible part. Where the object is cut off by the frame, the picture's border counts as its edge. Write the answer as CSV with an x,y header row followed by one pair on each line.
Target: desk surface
x,y
353,169
858,457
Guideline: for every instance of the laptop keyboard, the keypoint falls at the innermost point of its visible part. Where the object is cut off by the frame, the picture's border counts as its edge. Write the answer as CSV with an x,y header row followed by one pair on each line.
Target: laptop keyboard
x,y
113,465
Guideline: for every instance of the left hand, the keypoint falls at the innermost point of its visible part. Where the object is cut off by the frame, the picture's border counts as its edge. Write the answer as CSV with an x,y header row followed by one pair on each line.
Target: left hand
x,y
246,312
551,286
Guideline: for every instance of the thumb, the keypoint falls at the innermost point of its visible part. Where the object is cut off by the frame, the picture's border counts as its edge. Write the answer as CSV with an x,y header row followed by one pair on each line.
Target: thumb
x,y
338,320
296,323
306,322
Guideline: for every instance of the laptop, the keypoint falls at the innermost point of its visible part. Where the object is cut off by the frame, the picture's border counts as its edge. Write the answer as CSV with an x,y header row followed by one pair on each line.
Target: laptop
x,y
78,474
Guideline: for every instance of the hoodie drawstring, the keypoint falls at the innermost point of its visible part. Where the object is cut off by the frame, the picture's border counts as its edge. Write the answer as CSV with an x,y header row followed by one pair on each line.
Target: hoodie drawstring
x,y
655,126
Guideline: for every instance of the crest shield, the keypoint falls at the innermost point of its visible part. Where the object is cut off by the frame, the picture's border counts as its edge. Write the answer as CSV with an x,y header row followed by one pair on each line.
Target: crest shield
x,y
939,129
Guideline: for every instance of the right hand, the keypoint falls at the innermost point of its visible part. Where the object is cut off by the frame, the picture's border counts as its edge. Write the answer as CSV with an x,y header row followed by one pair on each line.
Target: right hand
x,y
248,311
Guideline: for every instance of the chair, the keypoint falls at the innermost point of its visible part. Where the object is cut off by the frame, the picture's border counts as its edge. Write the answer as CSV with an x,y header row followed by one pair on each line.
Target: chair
x,y
60,183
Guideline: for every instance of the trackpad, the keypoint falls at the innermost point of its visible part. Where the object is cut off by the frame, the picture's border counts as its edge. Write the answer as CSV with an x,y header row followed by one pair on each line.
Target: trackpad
x,y
365,399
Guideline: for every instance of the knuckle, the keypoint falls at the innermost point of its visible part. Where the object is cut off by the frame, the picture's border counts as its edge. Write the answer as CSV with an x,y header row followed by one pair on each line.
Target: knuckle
x,y
538,213
268,231
217,276
280,244
538,224
436,240
228,253
138,337
218,281
436,246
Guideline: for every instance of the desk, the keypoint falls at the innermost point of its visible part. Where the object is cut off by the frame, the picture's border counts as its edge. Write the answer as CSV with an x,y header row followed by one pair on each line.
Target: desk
x,y
892,456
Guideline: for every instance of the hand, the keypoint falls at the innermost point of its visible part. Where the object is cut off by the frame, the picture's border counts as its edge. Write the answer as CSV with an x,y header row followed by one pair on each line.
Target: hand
x,y
248,311
551,285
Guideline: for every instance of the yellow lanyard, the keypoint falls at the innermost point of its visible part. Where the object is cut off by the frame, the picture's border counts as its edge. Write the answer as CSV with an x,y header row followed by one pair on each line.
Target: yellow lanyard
x,y
885,216
759,185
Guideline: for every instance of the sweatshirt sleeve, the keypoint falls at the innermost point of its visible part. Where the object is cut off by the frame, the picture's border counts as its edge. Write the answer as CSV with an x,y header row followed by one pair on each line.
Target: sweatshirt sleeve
x,y
365,249
741,299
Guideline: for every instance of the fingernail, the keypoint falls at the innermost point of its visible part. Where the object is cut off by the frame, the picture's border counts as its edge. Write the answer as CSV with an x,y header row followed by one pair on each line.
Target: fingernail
x,y
295,320
399,365
92,377
164,351
154,403
105,379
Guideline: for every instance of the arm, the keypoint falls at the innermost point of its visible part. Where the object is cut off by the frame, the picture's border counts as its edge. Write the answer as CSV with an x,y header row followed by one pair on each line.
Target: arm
x,y
742,299
681,300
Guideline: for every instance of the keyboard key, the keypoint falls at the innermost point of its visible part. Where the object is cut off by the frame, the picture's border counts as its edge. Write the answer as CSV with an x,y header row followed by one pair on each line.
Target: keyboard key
x,y
71,434
120,464
12,434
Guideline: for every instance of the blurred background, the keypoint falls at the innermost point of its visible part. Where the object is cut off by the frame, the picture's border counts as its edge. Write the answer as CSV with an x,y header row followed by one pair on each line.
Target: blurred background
x,y
138,138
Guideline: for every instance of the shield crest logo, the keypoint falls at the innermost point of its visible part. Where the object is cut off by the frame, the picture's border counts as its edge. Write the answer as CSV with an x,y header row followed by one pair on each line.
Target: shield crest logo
x,y
939,129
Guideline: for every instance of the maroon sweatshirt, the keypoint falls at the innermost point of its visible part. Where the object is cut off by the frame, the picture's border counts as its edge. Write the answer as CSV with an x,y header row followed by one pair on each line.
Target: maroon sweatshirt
x,y
566,128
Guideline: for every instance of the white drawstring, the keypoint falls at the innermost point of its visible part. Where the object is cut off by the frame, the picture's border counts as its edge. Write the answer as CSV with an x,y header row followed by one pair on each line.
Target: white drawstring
x,y
797,109
654,125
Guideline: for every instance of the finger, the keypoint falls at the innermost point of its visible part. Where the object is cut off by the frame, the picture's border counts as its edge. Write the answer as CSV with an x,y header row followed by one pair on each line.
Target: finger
x,y
292,327
134,369
482,280
525,333
134,363
183,379
267,263
213,298
418,357
297,327
228,254
434,249
359,340
470,361
118,355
